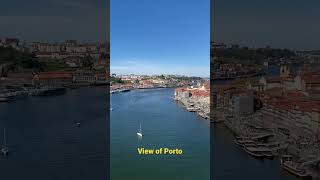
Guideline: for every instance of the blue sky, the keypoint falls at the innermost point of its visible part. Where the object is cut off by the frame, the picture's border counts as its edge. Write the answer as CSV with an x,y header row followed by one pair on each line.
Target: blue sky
x,y
160,37
55,20
292,24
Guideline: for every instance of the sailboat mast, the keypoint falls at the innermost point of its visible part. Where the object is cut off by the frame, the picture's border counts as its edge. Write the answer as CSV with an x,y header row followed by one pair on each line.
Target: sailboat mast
x,y
140,127
4,137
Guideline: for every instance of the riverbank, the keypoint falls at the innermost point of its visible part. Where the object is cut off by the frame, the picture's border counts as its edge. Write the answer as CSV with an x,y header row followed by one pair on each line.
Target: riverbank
x,y
9,94
127,89
264,143
164,123
286,117
113,91
45,142
238,77
230,161
194,100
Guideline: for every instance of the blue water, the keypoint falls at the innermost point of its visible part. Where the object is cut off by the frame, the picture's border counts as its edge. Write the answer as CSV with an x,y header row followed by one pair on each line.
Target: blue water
x,y
45,143
165,123
230,162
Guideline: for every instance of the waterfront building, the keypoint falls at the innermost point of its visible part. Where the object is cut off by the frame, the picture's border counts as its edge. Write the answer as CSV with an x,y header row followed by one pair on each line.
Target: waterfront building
x,y
182,93
243,103
270,82
214,99
101,77
301,119
255,86
84,77
17,78
284,71
52,79
195,100
10,42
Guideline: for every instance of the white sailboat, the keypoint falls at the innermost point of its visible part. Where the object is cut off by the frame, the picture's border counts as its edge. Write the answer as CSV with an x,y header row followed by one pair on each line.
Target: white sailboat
x,y
78,123
4,149
111,108
140,132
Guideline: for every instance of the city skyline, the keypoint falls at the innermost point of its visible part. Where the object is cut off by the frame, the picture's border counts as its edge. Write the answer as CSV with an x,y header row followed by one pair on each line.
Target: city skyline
x,y
155,75
145,40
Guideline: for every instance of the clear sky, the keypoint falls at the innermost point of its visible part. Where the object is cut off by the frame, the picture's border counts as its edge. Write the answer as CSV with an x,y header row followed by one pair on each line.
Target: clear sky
x,y
292,24
55,20
160,37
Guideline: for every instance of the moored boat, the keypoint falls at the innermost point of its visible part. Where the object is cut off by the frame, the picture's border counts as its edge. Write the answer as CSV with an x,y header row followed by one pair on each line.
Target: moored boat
x,y
4,149
259,152
294,167
4,99
51,91
253,152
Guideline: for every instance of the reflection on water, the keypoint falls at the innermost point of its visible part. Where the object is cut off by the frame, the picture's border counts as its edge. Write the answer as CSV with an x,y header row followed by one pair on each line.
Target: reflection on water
x,y
164,124
45,142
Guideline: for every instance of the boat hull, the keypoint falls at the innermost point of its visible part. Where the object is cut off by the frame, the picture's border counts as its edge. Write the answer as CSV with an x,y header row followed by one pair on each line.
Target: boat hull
x,y
295,173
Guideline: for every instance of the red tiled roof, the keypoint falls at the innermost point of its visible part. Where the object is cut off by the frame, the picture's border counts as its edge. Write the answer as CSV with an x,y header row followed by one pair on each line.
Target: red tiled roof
x,y
181,89
54,75
273,79
200,93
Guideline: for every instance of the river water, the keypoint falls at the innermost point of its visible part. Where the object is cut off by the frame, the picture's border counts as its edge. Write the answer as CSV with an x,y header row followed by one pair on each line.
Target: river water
x,y
165,123
45,143
230,162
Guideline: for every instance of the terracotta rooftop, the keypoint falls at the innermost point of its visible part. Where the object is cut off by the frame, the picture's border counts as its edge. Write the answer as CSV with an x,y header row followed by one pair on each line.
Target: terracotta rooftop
x,y
273,79
200,93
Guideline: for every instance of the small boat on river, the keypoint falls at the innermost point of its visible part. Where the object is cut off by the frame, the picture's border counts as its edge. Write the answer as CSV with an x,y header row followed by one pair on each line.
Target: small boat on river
x,y
294,168
140,132
4,149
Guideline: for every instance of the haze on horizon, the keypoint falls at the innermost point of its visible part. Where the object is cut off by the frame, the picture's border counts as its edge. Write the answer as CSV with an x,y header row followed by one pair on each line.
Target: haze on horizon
x,y
55,20
155,74
291,24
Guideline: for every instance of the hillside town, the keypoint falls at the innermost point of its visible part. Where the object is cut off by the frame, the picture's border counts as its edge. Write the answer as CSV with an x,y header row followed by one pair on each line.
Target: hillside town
x,y
195,99
69,51
41,68
275,114
119,82
193,93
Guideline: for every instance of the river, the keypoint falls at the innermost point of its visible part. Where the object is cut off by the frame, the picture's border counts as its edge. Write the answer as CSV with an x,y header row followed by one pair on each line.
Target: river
x,y
228,161
231,162
45,143
165,123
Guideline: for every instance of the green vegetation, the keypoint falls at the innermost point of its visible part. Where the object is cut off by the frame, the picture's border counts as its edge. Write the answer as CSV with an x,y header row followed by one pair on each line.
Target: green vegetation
x,y
186,78
87,62
161,77
116,80
249,56
15,60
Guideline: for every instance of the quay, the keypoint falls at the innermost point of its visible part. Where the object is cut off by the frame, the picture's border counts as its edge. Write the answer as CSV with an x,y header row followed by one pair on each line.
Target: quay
x,y
195,100
119,90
